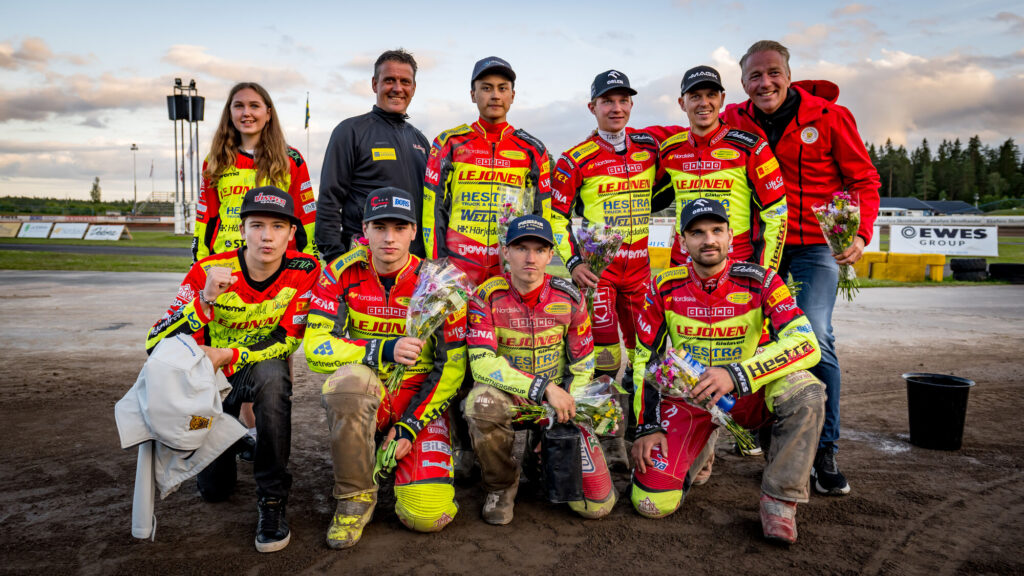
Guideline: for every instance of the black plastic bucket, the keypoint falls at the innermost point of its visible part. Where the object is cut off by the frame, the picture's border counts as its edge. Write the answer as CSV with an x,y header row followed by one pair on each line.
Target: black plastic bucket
x,y
937,404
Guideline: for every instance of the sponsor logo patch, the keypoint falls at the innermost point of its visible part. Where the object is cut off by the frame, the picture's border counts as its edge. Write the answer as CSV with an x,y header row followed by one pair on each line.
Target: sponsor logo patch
x,y
640,156
725,154
767,168
513,154
383,154
780,294
809,135
738,297
557,308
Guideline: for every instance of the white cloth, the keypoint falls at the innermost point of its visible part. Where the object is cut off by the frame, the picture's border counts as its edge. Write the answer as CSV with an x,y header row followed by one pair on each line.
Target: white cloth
x,y
174,414
616,139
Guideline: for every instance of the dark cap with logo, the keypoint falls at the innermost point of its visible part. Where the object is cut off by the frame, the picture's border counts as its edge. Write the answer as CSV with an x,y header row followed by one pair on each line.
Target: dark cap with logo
x,y
700,76
492,65
389,202
529,226
702,208
269,200
610,80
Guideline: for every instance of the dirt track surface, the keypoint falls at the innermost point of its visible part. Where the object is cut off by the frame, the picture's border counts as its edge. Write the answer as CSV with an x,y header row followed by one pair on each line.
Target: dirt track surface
x,y
73,345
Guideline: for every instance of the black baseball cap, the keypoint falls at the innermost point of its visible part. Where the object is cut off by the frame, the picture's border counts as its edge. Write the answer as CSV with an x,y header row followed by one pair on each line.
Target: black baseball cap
x,y
492,64
529,226
269,200
610,80
700,75
702,208
389,202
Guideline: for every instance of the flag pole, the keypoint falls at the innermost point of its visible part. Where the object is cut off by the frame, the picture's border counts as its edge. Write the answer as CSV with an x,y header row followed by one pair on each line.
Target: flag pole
x,y
307,127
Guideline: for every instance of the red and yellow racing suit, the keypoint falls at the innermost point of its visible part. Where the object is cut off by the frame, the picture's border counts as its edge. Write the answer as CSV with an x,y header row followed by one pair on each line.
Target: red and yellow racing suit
x,y
725,328
217,220
257,320
355,320
468,171
738,169
611,189
517,346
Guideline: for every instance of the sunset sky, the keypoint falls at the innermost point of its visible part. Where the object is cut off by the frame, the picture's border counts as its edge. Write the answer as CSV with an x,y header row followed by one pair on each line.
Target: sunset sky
x,y
82,81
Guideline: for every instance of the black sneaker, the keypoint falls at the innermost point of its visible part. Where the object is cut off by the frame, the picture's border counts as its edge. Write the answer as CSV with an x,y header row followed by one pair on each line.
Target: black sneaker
x,y
825,475
272,532
246,449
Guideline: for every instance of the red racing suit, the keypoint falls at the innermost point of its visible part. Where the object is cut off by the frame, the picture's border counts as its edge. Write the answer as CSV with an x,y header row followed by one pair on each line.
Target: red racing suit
x,y
722,328
612,189
467,173
217,220
519,349
821,152
257,320
738,169
352,317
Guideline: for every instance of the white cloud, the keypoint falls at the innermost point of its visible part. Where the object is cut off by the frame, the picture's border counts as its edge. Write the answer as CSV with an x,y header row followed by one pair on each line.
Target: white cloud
x,y
194,60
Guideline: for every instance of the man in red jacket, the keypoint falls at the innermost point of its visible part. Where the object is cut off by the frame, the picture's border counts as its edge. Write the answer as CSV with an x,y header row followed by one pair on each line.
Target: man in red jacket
x,y
817,144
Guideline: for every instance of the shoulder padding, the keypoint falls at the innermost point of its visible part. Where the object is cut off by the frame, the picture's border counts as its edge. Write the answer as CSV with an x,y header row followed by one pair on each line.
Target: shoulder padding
x,y
296,157
676,273
584,150
748,270
530,139
357,254
642,138
457,131
566,286
675,139
302,262
490,286
742,137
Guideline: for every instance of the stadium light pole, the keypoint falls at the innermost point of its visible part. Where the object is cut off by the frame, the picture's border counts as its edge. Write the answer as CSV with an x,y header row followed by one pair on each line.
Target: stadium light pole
x,y
135,182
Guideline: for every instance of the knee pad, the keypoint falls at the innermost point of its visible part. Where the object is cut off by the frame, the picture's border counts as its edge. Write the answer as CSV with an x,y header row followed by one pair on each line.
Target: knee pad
x,y
353,379
655,503
488,404
607,358
425,507
593,510
787,394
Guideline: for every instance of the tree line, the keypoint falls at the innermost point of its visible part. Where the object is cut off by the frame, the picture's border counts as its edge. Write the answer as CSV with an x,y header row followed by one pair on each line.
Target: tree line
x,y
975,173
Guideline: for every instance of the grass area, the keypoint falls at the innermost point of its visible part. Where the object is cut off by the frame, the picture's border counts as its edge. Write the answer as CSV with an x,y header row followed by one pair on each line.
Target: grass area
x,y
147,238
18,260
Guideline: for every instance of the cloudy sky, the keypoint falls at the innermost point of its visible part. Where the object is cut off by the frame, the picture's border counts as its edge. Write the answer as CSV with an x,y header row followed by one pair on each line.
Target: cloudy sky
x,y
82,81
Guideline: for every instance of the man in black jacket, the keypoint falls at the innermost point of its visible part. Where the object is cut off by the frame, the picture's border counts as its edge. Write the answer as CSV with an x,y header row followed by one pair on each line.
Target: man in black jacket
x,y
371,151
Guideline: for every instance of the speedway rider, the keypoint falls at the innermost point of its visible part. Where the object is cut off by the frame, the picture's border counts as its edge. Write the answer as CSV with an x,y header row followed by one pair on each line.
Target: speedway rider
x,y
356,326
469,169
715,308
609,178
529,339
714,160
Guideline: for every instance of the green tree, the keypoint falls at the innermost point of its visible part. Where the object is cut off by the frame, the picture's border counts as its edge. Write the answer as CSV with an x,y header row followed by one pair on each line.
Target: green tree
x,y
95,192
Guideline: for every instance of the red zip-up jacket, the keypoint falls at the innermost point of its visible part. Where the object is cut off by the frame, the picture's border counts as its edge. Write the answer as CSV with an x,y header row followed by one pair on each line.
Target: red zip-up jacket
x,y
821,152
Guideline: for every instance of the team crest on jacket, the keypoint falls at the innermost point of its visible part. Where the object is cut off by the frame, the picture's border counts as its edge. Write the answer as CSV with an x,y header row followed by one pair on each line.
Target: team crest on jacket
x,y
809,135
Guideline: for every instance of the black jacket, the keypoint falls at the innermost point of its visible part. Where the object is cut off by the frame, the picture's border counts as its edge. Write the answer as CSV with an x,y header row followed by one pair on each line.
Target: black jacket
x,y
367,152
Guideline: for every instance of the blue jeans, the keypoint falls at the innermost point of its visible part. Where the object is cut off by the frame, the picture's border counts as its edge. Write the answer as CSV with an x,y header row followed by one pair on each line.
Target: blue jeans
x,y
268,385
818,274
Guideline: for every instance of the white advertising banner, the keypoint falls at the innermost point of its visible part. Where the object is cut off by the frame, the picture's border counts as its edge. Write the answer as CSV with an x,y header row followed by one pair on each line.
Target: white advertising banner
x,y
98,232
876,241
73,230
35,229
661,236
948,240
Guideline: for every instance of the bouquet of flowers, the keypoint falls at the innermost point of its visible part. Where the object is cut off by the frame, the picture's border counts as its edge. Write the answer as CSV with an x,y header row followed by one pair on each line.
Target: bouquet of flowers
x,y
515,202
676,375
598,245
839,220
440,290
595,407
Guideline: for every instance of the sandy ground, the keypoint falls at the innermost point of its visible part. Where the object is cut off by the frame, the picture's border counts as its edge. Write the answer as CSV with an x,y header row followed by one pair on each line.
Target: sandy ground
x,y
72,345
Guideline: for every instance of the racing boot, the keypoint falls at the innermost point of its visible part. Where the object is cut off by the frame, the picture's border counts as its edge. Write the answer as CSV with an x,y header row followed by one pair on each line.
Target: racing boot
x,y
351,515
778,519
500,505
